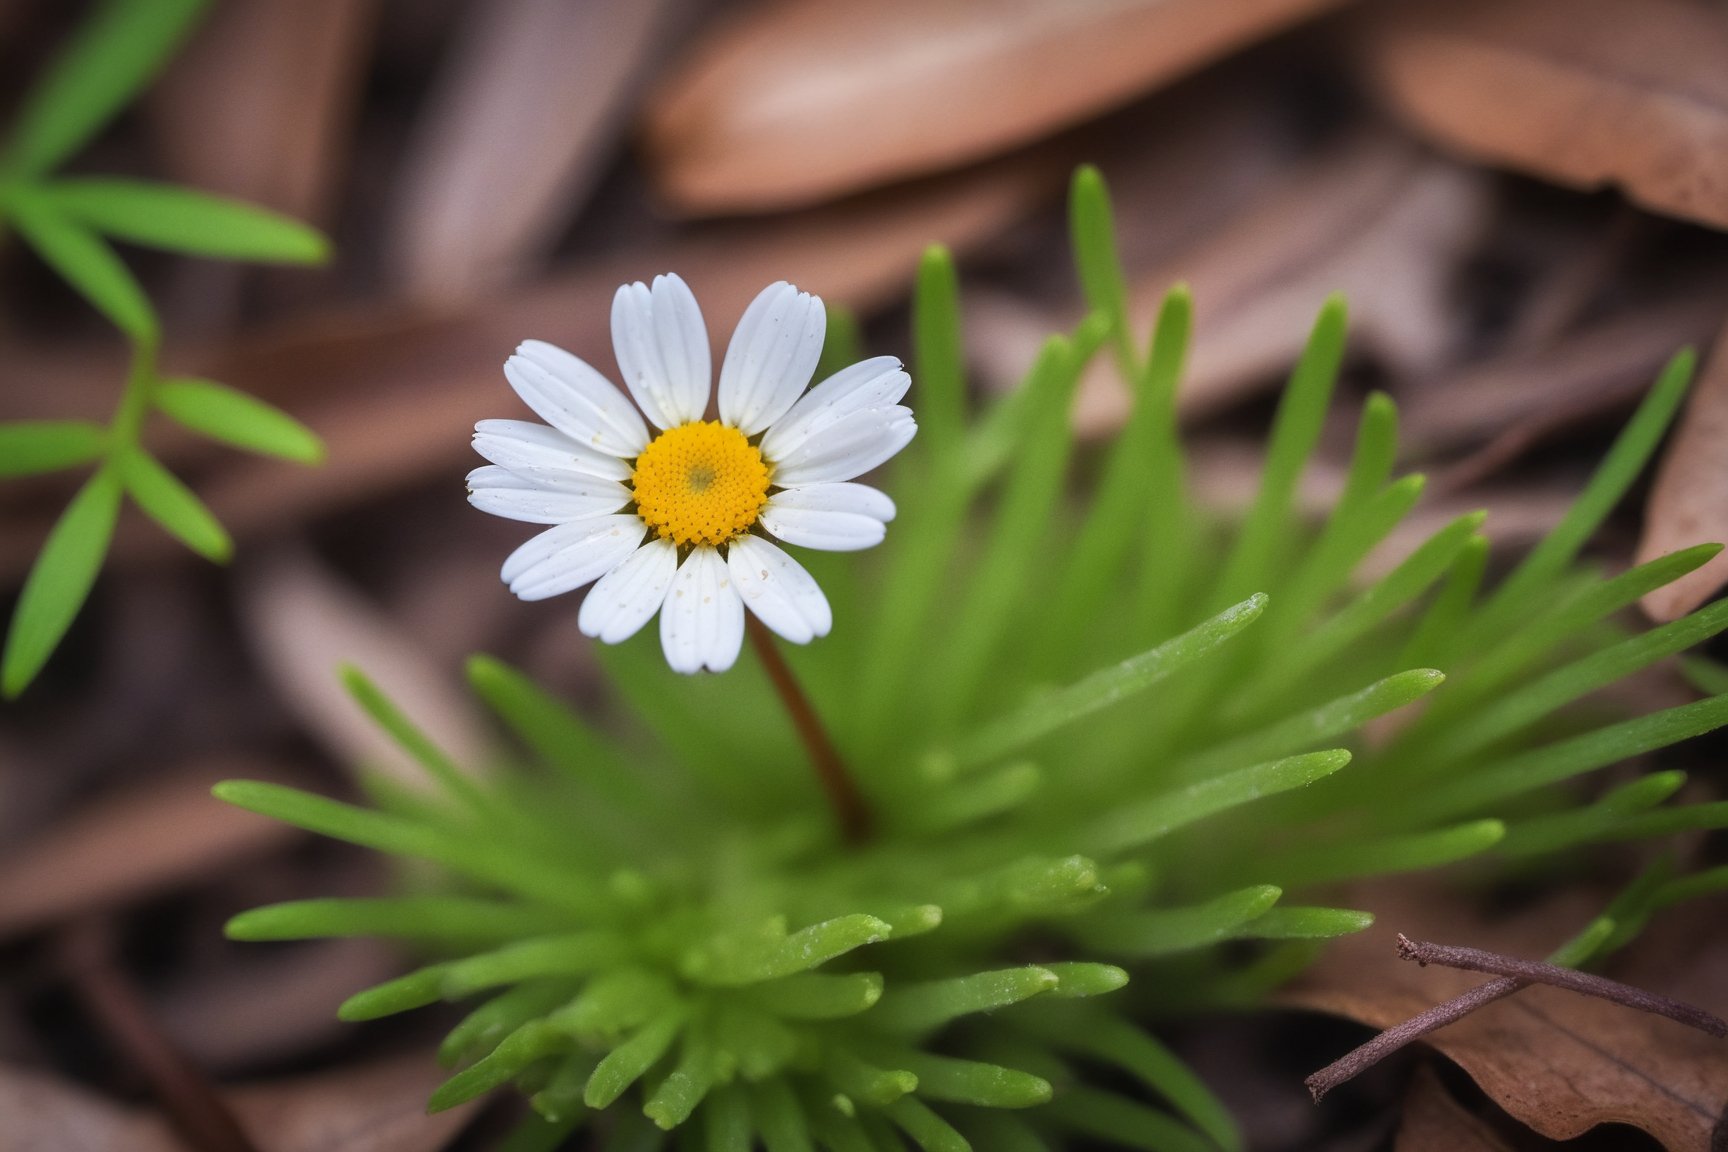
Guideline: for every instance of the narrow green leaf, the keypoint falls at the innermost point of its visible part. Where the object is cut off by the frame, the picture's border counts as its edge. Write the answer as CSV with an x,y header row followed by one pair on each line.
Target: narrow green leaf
x,y
113,55
816,996
232,417
677,1096
973,1082
408,736
928,1130
779,1119
1442,623
60,580
1010,733
173,506
453,920
483,1028
627,1063
527,1045
1306,924
997,1131
1083,979
188,221
919,1007
84,261
1557,831
1383,856
807,948
1124,1123
969,801
1166,538
1625,460
1699,884
538,1134
727,1116
29,447
1164,931
614,1003
415,990
1092,232
938,358
864,1081
559,1101
1139,822
567,954
1295,432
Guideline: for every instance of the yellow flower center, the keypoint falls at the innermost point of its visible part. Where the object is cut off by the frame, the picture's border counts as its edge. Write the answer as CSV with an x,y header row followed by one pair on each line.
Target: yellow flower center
x,y
700,483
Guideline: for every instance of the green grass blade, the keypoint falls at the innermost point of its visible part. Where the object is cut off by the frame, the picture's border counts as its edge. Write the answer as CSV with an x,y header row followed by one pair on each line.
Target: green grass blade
x,y
1625,460
1092,233
31,447
1306,924
445,772
921,1007
84,260
109,59
1441,624
186,221
1137,823
452,920
1014,731
628,1062
973,1081
1295,432
802,950
1166,931
1560,830
527,1045
60,580
938,357
232,417
173,506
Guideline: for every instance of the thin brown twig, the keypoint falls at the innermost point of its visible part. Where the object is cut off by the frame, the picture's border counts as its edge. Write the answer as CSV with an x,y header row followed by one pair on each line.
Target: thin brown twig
x,y
843,794
1511,974
193,1104
1584,983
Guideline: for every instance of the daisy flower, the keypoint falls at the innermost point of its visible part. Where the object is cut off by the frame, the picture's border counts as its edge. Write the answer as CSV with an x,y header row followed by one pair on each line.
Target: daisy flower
x,y
673,513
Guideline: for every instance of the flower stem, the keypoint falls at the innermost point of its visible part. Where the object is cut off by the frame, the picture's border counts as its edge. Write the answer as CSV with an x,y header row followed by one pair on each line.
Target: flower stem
x,y
843,794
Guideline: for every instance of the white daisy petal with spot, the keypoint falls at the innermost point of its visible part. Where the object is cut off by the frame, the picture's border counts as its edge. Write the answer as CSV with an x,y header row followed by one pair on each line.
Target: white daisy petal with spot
x,y
772,354
858,499
778,590
566,557
534,451
851,446
875,383
562,497
823,531
575,399
662,349
626,597
702,619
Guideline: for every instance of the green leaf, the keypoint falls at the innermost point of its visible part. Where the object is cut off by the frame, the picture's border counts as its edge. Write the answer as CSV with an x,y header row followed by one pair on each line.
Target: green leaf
x,y
84,261
173,505
1108,686
804,949
779,1118
1382,856
232,417
187,221
528,1044
29,447
1124,1123
928,1130
919,1007
1092,232
1164,931
938,360
453,920
1084,979
112,56
1138,822
973,1082
413,740
817,996
627,1063
1306,924
60,580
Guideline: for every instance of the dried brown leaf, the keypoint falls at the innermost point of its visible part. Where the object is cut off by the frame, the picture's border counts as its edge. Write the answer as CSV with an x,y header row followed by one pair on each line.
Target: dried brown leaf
x,y
1557,1062
1689,501
805,100
143,839
1632,93
525,112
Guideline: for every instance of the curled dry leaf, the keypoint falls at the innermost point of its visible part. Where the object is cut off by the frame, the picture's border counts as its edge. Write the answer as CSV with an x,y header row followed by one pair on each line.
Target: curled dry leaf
x,y
305,623
378,1107
804,100
525,112
141,840
1557,1062
1689,501
1581,92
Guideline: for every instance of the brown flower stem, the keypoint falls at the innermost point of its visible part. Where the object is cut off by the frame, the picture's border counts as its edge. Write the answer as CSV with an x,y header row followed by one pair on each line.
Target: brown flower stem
x,y
1585,984
1512,974
843,794
193,1104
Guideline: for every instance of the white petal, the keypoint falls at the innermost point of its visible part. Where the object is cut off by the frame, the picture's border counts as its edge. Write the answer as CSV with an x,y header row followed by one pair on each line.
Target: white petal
x,y
873,383
575,399
778,589
567,496
662,349
571,555
824,531
702,619
618,606
849,447
859,499
533,450
773,352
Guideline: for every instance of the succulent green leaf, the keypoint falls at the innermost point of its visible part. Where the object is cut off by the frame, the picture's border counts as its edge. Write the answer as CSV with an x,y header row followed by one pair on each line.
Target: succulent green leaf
x,y
1164,931
919,1007
627,1063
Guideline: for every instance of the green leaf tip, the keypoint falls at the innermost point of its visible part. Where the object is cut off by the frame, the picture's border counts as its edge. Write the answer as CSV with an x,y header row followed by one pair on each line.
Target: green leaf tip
x,y
228,416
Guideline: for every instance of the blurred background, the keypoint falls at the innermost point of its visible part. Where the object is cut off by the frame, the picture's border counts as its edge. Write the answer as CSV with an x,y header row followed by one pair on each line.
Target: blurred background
x,y
1522,199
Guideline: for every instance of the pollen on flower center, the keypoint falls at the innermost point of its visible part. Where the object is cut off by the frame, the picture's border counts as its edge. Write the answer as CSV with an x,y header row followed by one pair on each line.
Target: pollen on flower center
x,y
700,483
